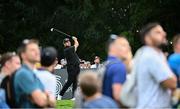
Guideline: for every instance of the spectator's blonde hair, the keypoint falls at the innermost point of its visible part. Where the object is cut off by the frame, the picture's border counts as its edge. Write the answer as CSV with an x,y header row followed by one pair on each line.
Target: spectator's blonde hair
x,y
89,83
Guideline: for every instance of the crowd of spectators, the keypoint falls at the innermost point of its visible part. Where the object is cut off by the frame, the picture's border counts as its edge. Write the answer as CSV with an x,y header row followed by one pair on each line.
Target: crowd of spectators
x,y
150,79
83,64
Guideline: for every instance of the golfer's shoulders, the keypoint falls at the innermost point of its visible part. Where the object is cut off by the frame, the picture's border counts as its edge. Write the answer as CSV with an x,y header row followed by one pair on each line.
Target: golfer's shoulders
x,y
71,48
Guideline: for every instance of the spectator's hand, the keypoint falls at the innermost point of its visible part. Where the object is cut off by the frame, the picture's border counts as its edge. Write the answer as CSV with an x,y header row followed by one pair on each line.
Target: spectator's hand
x,y
176,96
51,100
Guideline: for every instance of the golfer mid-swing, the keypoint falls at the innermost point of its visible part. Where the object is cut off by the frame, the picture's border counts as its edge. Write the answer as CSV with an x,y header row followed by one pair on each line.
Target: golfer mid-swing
x,y
73,62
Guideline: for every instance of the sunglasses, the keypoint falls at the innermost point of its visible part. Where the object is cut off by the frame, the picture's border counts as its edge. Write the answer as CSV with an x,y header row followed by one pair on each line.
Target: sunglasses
x,y
112,38
27,41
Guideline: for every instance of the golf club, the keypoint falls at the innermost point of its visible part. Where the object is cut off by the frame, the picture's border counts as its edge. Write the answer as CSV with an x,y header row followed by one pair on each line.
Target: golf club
x,y
54,29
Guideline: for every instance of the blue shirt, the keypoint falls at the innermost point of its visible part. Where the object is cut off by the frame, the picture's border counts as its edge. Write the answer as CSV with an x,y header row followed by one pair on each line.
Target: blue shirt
x,y
3,104
102,102
115,73
25,82
174,62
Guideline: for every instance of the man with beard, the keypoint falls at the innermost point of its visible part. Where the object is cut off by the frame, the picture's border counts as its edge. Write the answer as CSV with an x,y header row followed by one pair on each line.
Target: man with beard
x,y
73,68
154,79
174,62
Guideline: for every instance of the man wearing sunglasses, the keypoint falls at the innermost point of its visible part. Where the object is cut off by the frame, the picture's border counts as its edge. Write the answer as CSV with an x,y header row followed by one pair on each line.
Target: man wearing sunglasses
x,y
73,62
115,74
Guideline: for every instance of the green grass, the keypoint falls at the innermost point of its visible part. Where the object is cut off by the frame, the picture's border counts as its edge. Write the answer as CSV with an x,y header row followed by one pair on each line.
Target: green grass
x,y
64,104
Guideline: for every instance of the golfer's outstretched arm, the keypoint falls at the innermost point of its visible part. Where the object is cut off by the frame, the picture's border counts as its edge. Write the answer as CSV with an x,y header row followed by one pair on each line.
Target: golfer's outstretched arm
x,y
76,43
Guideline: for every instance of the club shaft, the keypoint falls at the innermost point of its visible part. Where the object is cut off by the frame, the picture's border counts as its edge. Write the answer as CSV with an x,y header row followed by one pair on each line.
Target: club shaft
x,y
62,32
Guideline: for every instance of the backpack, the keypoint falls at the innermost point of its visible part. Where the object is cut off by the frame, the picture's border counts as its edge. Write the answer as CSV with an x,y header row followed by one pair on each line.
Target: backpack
x,y
128,96
103,68
8,85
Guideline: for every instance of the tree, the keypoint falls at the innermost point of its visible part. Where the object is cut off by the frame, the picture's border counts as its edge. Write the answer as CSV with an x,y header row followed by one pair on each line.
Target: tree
x,y
92,21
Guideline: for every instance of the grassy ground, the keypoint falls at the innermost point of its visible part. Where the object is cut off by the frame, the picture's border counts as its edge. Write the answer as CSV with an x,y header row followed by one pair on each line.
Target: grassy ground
x,y
65,104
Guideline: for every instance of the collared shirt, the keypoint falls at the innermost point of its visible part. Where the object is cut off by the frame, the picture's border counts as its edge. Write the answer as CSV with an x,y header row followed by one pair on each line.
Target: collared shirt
x,y
115,73
25,82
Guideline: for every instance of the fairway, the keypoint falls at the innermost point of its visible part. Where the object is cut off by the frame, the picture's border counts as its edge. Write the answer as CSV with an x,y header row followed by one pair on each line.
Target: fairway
x,y
64,104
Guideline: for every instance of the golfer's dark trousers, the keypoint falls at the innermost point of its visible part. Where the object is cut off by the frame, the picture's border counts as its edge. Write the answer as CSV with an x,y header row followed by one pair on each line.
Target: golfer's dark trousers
x,y
73,72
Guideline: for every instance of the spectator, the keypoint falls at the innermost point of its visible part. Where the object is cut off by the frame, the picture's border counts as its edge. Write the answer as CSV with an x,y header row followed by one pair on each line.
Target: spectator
x,y
62,64
174,60
10,62
155,80
126,57
82,64
88,65
29,91
96,62
115,74
58,66
48,62
3,104
90,88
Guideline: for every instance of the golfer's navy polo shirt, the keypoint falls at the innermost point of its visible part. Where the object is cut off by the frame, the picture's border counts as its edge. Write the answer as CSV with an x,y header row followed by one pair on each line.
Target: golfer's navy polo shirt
x,y
115,74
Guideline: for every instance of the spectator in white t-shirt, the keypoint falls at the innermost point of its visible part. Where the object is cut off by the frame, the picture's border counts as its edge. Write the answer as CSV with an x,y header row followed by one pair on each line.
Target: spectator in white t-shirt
x,y
155,80
96,62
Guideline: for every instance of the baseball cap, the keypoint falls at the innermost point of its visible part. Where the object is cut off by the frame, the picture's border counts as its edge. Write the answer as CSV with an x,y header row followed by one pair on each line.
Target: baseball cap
x,y
48,56
66,40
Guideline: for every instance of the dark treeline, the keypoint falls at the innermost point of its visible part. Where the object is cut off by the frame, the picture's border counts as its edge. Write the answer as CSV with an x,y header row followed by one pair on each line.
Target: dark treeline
x,y
90,20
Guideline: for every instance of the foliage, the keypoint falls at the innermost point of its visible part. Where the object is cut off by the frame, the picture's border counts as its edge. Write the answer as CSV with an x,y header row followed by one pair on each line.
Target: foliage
x,y
92,21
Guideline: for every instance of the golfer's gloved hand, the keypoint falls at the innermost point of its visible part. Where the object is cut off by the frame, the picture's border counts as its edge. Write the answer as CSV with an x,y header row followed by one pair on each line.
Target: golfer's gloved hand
x,y
74,38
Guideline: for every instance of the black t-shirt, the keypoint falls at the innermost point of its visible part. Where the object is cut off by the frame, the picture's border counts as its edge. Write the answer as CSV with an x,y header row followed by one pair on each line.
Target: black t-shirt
x,y
71,56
